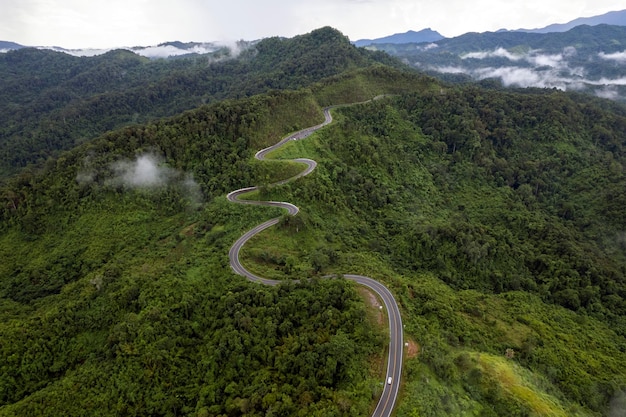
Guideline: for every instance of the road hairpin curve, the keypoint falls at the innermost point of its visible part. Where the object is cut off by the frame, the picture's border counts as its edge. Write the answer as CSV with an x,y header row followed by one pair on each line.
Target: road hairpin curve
x,y
394,362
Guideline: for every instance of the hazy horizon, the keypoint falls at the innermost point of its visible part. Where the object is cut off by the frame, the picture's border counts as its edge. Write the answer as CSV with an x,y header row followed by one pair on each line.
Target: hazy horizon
x,y
74,24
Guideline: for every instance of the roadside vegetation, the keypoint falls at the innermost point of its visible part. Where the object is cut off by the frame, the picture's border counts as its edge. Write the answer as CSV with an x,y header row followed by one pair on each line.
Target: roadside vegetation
x,y
496,218
498,229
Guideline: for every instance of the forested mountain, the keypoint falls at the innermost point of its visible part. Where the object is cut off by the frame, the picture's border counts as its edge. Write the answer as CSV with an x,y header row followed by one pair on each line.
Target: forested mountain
x,y
495,217
50,101
585,58
616,18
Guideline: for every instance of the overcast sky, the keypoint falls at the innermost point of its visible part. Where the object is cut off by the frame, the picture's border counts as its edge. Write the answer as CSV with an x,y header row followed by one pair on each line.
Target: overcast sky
x,y
113,23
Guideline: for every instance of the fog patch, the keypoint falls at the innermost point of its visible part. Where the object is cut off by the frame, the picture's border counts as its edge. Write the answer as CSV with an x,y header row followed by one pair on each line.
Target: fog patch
x,y
497,53
534,58
217,50
450,70
554,61
610,81
428,47
148,172
522,77
537,69
617,56
617,406
608,92
166,50
85,52
235,47
229,50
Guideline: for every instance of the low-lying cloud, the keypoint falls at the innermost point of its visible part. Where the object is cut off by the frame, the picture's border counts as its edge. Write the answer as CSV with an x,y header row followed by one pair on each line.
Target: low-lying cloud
x,y
608,92
146,172
536,69
617,56
522,77
428,47
497,53
162,51
166,51
534,58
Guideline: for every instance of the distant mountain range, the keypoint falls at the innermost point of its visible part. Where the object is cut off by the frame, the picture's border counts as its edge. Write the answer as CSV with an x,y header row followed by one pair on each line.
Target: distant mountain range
x,y
163,50
585,58
427,35
617,18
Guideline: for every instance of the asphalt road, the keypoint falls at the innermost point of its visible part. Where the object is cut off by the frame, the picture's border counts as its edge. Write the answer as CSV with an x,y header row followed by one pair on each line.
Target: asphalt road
x,y
389,395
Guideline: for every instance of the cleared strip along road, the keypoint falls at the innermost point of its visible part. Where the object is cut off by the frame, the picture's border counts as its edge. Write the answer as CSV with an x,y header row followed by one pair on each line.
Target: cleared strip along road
x,y
394,362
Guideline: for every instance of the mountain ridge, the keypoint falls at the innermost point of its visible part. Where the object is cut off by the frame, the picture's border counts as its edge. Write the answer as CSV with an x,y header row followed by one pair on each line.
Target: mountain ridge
x,y
424,35
617,18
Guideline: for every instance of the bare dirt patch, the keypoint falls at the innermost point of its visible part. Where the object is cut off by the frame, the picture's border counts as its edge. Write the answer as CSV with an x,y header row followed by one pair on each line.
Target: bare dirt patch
x,y
372,301
413,349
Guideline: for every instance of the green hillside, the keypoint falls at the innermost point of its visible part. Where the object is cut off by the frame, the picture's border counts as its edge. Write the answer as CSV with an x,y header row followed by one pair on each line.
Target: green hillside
x,y
496,219
50,101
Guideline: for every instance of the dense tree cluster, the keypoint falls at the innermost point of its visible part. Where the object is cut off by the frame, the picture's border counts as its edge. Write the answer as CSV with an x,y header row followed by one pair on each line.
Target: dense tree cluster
x,y
495,217
494,192
50,101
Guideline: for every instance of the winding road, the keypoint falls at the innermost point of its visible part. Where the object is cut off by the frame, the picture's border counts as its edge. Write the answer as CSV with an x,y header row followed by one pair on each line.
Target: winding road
x,y
394,363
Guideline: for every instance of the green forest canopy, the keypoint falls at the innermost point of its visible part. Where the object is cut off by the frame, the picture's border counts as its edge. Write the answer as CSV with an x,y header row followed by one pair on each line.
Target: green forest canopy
x,y
495,217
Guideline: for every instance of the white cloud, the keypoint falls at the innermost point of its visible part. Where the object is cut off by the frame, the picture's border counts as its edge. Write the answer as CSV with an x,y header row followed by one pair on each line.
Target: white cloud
x,y
147,171
617,56
164,51
570,51
497,53
160,51
608,92
609,81
540,60
522,77
536,69
559,76
534,57
450,70
428,47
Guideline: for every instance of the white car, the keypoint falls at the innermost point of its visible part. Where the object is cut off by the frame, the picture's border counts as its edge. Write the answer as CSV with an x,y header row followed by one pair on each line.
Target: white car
x,y
389,381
